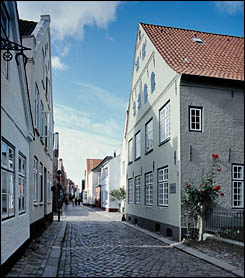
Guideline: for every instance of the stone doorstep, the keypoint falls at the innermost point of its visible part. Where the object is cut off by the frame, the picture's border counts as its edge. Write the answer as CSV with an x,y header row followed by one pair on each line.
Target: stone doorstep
x,y
191,251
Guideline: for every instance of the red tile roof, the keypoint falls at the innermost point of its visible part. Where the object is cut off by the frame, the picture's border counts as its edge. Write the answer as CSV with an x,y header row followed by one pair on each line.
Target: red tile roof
x,y
91,163
26,27
219,56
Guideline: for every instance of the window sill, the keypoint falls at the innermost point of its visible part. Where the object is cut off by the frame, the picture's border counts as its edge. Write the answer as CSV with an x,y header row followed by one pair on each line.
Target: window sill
x,y
137,158
41,204
131,162
35,204
193,130
164,141
162,206
22,213
148,206
149,151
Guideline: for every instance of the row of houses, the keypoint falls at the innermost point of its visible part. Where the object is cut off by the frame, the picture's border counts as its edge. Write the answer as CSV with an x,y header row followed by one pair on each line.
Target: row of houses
x,y
29,146
186,103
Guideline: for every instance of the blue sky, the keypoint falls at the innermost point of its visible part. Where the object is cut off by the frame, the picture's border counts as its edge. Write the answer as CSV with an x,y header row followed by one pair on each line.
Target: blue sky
x,y
92,60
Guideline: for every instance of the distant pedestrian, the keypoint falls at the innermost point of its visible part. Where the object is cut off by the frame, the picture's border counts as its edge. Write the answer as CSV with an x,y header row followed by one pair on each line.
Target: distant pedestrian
x,y
73,202
76,201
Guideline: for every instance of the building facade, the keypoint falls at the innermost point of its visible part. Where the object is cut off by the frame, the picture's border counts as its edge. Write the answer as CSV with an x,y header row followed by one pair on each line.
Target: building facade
x,y
110,180
183,107
36,35
16,135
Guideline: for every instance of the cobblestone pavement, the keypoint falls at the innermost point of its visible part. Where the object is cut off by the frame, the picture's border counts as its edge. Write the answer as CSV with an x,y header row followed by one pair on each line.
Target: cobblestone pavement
x,y
90,243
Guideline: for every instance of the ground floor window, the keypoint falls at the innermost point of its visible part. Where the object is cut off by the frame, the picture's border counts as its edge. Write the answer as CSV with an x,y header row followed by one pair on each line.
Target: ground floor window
x,y
149,189
138,190
130,191
7,180
35,172
22,183
238,186
163,187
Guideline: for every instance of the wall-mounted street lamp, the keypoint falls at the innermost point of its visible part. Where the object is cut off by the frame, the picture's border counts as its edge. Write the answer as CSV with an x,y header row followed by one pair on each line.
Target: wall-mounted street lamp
x,y
12,46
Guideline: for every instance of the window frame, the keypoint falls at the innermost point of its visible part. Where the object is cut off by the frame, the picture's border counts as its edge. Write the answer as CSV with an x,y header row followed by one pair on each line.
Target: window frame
x,y
36,179
237,180
196,108
22,177
10,181
137,145
165,122
150,185
153,82
36,108
41,182
147,150
130,191
165,185
130,151
145,93
137,190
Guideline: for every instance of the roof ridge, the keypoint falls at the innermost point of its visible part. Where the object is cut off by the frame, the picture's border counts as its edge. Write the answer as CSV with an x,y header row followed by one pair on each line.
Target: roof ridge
x,y
190,30
27,20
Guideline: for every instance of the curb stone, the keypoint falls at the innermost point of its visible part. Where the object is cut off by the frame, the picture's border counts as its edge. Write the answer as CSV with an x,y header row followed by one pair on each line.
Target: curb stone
x,y
225,266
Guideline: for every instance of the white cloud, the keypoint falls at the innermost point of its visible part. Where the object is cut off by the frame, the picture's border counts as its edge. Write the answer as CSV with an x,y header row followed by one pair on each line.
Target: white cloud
x,y
68,18
76,146
103,96
66,116
230,7
57,64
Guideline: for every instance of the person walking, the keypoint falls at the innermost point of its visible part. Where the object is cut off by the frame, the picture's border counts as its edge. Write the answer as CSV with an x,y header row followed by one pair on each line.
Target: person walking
x,y
76,201
73,201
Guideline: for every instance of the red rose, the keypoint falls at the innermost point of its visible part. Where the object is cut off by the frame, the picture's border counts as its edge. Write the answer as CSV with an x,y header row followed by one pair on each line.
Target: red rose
x,y
213,155
188,185
200,190
217,187
221,194
216,156
218,170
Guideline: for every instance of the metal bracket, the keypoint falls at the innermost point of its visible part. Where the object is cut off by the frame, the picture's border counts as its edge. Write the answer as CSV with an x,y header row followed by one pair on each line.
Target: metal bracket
x,y
12,46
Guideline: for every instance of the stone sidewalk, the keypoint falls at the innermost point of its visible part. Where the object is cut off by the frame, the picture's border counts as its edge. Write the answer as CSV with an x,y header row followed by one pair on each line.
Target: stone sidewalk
x,y
43,256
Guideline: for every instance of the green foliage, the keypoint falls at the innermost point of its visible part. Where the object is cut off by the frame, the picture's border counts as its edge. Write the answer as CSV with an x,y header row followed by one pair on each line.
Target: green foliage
x,y
198,200
118,194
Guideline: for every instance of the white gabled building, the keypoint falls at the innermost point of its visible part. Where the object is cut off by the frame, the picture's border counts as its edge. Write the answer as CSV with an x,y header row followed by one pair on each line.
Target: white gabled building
x,y
110,180
186,103
16,135
36,35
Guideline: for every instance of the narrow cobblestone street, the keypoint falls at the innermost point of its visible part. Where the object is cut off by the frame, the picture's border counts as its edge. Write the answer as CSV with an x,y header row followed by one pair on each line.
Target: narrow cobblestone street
x,y
88,242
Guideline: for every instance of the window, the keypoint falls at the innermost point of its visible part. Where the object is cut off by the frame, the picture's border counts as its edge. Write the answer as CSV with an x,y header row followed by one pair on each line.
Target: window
x,y
7,180
43,68
41,183
153,84
137,64
134,108
195,118
22,183
163,187
137,145
139,100
130,150
35,172
42,121
49,186
149,135
48,90
149,189
164,122
130,191
238,186
145,94
137,190
36,119
143,51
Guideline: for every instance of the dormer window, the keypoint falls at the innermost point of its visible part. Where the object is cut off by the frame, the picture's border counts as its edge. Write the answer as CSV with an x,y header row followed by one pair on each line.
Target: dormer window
x,y
198,40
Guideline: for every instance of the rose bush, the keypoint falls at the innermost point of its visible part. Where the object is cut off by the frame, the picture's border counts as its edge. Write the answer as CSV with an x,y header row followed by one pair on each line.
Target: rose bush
x,y
197,200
